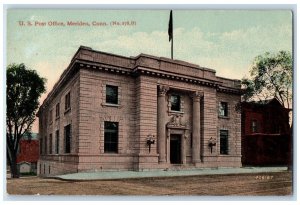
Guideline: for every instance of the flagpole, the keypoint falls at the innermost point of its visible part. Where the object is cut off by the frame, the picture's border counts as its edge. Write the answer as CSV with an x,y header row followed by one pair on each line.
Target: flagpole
x,y
172,37
172,48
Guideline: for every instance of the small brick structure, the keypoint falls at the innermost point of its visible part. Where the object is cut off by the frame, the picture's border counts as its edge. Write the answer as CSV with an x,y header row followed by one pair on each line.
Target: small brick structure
x,y
266,134
110,112
28,155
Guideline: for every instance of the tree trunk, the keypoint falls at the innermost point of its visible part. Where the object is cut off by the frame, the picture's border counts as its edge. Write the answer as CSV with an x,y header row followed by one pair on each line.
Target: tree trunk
x,y
13,167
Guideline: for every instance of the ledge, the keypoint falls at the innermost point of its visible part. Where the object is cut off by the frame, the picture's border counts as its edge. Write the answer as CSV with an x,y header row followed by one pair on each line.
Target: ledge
x,y
175,112
110,105
68,110
224,117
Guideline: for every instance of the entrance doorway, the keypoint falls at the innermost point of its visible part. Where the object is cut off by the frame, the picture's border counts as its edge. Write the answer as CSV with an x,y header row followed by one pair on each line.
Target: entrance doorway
x,y
175,149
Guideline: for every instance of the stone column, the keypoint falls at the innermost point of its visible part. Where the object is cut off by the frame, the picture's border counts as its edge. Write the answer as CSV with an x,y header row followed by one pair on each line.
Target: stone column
x,y
161,123
196,127
183,155
168,145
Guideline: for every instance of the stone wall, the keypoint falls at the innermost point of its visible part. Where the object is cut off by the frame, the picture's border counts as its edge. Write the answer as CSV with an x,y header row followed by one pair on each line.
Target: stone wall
x,y
140,115
233,124
94,111
51,161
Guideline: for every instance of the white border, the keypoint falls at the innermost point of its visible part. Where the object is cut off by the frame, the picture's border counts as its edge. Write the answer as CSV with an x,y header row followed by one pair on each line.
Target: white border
x,y
146,4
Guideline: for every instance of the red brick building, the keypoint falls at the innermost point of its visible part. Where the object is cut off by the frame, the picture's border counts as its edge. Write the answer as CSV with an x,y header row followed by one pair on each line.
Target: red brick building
x,y
110,112
266,131
28,154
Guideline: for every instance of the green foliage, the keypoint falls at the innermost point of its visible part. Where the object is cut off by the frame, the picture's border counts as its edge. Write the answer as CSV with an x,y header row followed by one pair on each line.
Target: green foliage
x,y
28,174
271,77
23,90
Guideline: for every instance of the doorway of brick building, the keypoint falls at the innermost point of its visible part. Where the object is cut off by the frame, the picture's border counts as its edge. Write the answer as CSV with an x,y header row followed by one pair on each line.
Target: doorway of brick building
x,y
175,149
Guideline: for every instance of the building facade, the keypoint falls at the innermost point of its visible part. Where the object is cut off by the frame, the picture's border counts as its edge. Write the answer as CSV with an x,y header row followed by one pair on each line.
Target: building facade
x,y
28,154
109,112
266,134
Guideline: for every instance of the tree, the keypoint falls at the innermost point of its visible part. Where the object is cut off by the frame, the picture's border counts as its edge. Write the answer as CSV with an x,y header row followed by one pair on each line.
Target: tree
x,y
271,77
24,88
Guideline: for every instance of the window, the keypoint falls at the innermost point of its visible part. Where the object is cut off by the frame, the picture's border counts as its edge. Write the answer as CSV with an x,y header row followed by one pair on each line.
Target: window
x,y
254,127
67,138
175,102
223,141
45,145
50,144
41,146
51,116
56,141
111,137
67,101
57,110
223,109
111,94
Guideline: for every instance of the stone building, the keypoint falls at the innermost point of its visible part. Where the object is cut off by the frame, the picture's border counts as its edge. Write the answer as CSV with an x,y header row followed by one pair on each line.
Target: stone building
x,y
110,112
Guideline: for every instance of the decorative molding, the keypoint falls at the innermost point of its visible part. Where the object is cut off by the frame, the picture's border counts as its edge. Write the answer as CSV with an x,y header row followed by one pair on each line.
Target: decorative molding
x,y
197,95
176,123
162,90
176,126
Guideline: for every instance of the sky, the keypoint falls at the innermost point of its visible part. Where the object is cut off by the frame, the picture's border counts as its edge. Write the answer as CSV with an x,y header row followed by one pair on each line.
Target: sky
x,y
224,40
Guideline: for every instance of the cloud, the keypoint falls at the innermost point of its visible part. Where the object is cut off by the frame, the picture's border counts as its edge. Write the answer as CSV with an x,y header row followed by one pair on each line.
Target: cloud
x,y
230,53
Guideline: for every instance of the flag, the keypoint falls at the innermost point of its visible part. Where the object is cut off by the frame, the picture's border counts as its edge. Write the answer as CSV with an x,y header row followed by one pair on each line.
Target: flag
x,y
170,30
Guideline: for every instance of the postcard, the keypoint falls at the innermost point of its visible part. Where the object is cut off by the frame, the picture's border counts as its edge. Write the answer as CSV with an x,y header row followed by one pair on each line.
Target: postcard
x,y
161,102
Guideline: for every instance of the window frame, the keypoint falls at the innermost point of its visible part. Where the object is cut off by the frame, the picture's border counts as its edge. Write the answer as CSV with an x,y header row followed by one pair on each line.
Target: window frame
x,y
45,146
67,144
50,116
57,142
57,111
254,126
115,90
224,109
222,137
50,143
68,101
178,103
109,133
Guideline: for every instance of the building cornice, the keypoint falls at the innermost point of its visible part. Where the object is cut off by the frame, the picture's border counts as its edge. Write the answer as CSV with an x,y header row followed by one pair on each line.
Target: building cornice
x,y
87,58
160,74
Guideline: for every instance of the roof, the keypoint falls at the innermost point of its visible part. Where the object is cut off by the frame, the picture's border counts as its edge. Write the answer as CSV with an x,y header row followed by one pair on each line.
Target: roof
x,y
143,64
264,102
31,136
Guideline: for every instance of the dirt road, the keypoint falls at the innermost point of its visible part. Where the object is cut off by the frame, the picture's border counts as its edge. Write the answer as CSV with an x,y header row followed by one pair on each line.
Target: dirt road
x,y
216,185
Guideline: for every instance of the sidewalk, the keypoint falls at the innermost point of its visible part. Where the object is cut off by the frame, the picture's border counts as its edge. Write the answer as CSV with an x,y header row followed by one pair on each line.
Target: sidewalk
x,y
170,173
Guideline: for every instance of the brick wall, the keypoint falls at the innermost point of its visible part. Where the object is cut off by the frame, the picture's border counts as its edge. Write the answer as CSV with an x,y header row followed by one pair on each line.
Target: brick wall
x,y
28,151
